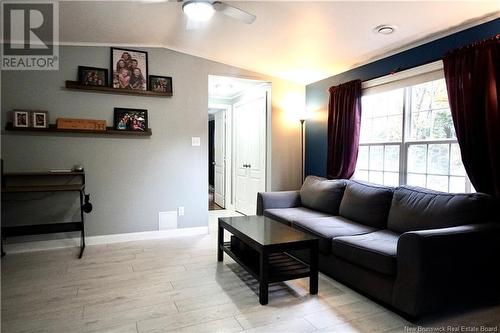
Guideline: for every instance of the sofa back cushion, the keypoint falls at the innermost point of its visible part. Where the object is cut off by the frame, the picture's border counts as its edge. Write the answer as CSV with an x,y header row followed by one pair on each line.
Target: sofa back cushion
x,y
414,208
366,203
322,194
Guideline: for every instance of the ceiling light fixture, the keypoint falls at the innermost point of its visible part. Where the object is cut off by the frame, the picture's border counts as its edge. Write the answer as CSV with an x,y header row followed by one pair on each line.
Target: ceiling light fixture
x,y
385,29
200,11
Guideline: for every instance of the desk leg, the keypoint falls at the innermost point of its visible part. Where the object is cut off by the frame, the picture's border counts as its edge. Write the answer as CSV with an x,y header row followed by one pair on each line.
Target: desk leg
x,y
313,268
82,245
1,245
264,278
82,239
220,243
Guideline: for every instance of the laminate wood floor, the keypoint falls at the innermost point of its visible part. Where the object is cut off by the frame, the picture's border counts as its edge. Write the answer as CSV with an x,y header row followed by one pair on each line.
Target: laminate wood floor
x,y
211,202
177,285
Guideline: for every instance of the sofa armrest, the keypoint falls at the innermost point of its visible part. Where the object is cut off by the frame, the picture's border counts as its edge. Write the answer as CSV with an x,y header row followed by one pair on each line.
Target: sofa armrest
x,y
281,199
448,266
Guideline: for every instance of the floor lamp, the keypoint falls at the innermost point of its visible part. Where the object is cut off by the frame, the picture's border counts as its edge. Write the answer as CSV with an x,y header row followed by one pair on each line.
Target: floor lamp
x,y
302,121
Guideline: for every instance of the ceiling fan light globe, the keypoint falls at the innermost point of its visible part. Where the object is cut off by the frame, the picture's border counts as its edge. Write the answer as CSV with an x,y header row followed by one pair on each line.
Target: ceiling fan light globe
x,y
200,11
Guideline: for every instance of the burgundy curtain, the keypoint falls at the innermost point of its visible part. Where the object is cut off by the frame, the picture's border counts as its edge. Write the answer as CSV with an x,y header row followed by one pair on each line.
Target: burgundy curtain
x,y
472,78
344,117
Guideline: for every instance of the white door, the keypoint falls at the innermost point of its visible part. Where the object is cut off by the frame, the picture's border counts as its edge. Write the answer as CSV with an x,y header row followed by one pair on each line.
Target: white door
x,y
249,151
219,159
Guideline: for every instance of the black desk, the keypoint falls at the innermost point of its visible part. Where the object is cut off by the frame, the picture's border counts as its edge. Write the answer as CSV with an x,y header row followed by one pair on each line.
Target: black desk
x,y
36,182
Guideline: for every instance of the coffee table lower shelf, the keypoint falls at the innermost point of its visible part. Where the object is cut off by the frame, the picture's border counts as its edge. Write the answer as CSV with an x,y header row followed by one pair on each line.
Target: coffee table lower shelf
x,y
282,266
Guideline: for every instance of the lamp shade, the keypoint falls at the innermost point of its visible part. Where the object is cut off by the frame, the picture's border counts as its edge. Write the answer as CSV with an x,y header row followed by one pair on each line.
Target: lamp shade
x,y
303,115
198,10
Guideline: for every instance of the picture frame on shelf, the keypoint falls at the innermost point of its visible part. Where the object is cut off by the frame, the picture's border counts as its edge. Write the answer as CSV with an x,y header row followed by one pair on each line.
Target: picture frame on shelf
x,y
93,76
129,69
126,119
161,84
21,118
40,119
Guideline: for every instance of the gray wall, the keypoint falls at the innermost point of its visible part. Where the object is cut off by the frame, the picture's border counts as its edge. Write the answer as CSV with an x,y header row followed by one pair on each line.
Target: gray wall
x,y
132,179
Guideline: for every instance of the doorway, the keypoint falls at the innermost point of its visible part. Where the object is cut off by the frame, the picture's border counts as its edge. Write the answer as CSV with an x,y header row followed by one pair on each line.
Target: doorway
x,y
216,158
238,126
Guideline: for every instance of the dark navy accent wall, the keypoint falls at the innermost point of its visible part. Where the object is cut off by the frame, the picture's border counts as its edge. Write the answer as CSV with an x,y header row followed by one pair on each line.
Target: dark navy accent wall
x,y
317,93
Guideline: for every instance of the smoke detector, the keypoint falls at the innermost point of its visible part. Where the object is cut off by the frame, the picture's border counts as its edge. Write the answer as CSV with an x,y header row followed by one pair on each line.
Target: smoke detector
x,y
384,29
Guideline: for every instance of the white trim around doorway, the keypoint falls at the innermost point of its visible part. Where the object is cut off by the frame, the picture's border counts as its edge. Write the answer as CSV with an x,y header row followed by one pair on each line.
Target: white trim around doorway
x,y
229,135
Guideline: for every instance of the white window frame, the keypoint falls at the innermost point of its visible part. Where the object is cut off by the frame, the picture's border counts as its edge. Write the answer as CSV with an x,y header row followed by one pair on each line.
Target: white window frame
x,y
449,142
405,79
383,144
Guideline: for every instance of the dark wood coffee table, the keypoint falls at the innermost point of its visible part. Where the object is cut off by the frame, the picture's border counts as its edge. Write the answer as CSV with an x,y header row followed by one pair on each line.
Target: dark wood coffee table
x,y
260,244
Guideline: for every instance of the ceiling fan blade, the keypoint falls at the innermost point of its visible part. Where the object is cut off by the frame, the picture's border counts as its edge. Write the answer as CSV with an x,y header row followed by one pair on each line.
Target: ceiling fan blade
x,y
234,12
154,2
151,2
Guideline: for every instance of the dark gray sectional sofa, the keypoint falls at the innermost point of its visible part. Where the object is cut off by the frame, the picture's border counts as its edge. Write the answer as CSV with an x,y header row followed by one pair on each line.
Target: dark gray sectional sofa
x,y
414,249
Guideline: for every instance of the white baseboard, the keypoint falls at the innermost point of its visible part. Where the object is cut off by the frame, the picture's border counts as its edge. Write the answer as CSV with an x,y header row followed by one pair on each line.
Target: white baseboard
x,y
104,239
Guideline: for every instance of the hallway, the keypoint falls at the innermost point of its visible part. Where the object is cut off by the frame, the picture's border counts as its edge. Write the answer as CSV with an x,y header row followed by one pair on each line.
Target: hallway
x,y
211,203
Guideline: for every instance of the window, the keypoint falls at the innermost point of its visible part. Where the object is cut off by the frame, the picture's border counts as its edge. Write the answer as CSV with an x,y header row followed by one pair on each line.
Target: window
x,y
382,117
437,166
379,164
381,136
430,117
407,137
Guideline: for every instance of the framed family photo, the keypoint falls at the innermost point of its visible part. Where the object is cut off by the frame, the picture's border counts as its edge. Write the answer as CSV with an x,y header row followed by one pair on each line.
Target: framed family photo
x,y
21,118
130,119
40,119
93,76
161,84
129,69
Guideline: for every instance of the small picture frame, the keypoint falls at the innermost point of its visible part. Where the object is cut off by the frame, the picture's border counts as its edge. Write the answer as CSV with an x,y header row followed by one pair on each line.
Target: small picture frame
x,y
126,119
93,76
162,84
21,118
40,119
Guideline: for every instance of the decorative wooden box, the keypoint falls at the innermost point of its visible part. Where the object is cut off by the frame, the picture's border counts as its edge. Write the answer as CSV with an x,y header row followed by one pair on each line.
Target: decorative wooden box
x,y
81,124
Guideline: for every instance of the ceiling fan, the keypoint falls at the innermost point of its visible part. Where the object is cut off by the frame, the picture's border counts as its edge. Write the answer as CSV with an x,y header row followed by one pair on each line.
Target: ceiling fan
x,y
202,10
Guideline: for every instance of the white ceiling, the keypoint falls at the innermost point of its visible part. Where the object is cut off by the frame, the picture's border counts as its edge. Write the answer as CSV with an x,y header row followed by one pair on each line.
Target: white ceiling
x,y
302,41
224,87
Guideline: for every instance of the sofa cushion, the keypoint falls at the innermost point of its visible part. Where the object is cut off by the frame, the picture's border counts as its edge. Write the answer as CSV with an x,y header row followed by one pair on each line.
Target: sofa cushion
x,y
287,215
322,194
329,227
366,203
376,250
415,208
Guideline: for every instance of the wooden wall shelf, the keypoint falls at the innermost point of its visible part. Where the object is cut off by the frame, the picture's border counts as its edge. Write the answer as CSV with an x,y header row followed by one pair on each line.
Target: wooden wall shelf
x,y
75,85
53,129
